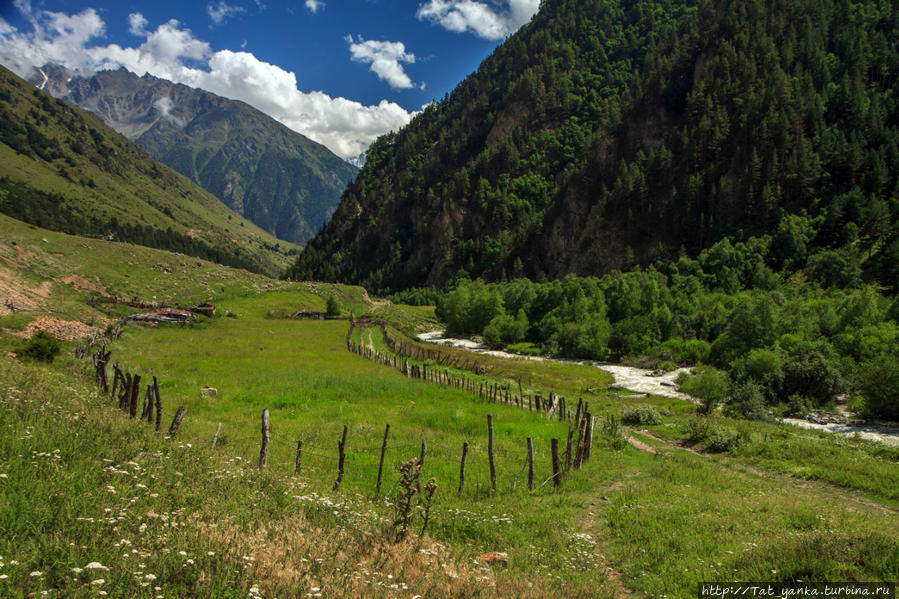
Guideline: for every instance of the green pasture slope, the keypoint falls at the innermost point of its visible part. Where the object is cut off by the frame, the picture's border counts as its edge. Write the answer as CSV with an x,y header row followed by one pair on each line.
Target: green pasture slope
x,y
80,483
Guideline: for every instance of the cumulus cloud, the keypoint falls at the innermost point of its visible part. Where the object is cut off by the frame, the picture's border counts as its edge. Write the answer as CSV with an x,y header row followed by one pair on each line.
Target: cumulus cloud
x,y
137,24
479,18
385,59
221,11
314,5
172,52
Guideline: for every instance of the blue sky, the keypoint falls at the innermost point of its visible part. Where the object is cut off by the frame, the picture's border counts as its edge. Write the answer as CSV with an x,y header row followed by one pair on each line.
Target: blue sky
x,y
341,72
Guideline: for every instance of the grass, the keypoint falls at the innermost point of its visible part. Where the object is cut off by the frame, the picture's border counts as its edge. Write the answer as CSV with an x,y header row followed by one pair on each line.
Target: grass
x,y
662,522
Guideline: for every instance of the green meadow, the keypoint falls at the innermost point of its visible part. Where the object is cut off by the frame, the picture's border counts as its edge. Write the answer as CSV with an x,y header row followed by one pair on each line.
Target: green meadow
x,y
82,484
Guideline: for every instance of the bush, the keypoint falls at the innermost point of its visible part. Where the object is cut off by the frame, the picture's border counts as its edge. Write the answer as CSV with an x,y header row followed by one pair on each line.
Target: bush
x,y
799,406
42,346
332,308
747,401
613,434
812,374
697,428
708,385
765,367
722,439
642,414
878,381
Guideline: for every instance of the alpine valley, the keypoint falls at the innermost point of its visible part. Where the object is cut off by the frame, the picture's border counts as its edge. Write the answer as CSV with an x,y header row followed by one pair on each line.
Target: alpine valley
x,y
284,182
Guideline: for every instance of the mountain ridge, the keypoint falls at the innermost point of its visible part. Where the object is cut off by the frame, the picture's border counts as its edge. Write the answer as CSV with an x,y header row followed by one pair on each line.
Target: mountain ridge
x,y
277,178
62,168
608,134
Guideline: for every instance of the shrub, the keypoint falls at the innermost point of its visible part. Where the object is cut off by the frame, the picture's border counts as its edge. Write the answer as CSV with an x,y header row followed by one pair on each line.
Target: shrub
x,y
812,374
747,401
642,414
799,406
697,428
878,380
332,308
613,433
42,346
708,385
722,438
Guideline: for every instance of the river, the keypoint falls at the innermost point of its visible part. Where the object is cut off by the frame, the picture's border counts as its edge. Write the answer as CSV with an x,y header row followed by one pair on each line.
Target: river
x,y
642,380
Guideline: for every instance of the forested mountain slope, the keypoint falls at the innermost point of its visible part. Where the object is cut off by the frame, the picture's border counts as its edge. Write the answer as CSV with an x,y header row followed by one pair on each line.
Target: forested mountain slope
x,y
608,133
284,182
61,168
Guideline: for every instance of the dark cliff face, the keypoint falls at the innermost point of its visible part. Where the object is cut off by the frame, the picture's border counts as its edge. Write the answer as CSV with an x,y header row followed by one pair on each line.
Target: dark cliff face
x,y
605,134
277,178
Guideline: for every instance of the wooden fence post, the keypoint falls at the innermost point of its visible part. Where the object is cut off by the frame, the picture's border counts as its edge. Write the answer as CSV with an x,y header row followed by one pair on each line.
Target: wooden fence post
x,y
341,455
490,451
568,449
215,437
148,402
530,464
158,410
176,422
588,446
155,396
125,392
116,375
579,451
557,474
135,392
381,464
297,463
462,467
263,451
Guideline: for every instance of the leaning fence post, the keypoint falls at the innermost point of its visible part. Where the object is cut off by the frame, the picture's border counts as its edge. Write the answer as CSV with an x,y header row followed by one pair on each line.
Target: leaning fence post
x,y
462,467
490,451
158,410
215,437
588,447
557,474
263,451
296,466
156,394
530,464
135,392
115,379
125,392
176,422
381,464
341,455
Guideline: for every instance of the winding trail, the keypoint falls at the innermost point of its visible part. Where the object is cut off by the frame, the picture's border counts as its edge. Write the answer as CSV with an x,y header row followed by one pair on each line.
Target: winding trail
x,y
815,486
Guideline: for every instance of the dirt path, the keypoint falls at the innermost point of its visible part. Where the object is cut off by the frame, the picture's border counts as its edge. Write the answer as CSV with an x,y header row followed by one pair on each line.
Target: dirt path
x,y
588,527
818,487
370,345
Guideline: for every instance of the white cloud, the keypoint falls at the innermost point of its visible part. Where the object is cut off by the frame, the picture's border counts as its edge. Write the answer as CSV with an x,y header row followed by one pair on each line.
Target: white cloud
x,y
314,5
385,59
137,24
483,20
172,52
221,11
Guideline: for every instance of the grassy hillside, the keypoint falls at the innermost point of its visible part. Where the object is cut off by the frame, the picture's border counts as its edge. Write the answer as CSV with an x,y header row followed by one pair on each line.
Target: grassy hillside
x,y
280,180
648,518
62,168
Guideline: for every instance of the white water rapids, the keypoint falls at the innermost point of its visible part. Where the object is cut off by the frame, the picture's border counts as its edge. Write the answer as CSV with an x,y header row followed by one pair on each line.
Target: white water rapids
x,y
642,380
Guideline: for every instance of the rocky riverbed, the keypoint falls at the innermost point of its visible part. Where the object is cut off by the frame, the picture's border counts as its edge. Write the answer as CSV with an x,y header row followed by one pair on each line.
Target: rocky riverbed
x,y
642,380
